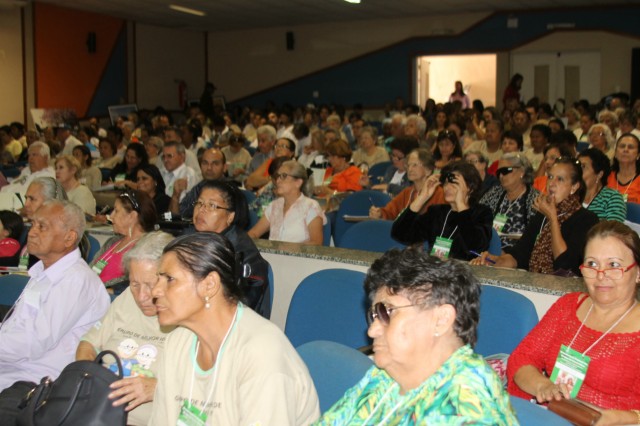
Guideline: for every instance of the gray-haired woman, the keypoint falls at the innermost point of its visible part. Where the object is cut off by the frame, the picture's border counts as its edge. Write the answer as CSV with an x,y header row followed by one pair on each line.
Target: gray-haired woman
x,y
304,216
511,201
131,329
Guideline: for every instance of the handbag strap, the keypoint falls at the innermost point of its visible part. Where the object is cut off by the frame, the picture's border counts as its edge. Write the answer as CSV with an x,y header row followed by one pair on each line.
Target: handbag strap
x,y
98,360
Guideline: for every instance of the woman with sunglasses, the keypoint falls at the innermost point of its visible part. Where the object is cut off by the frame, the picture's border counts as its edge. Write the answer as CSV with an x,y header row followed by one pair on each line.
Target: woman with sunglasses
x,y
511,202
292,217
222,208
554,239
602,323
447,149
423,323
223,364
456,229
133,215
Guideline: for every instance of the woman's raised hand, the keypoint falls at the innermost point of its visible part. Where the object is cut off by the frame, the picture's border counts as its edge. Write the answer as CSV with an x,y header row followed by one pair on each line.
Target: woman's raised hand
x,y
546,205
425,192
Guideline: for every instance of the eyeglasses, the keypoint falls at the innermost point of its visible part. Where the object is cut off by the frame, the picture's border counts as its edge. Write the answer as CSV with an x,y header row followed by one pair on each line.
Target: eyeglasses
x,y
503,171
447,177
611,273
382,312
132,199
283,176
209,206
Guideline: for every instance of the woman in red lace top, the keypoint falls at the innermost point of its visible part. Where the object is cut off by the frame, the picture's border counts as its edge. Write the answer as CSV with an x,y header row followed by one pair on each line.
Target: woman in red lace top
x,y
604,324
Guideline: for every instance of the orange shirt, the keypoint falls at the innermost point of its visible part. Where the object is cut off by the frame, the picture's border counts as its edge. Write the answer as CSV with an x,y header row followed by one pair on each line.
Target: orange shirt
x,y
405,197
540,183
630,192
346,180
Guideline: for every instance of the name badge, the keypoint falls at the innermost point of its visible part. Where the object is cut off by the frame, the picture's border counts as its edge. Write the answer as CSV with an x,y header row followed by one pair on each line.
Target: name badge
x,y
570,368
441,248
190,415
99,266
23,263
625,197
499,221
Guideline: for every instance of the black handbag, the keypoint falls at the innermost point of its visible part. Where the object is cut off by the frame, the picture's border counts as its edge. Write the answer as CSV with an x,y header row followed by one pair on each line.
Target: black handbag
x,y
77,397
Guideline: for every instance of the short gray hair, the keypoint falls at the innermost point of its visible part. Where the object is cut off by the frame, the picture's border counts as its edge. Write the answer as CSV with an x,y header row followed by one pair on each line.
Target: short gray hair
x,y
148,248
519,160
421,125
72,217
180,148
42,147
50,188
607,133
267,130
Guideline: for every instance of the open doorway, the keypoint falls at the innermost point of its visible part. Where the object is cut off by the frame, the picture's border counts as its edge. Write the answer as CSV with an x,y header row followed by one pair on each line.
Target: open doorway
x,y
436,77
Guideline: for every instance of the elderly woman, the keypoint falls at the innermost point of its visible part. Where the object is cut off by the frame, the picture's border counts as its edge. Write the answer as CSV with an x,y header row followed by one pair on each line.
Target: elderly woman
x,y
89,175
222,208
68,173
224,364
416,128
455,229
395,178
609,119
303,216
606,203
423,322
479,161
369,152
554,239
626,168
133,215
600,137
135,157
511,202
603,324
420,166
447,149
313,149
149,181
153,146
131,329
341,176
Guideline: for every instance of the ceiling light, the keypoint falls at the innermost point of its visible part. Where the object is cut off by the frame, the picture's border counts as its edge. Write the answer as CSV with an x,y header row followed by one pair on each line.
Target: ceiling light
x,y
186,10
353,1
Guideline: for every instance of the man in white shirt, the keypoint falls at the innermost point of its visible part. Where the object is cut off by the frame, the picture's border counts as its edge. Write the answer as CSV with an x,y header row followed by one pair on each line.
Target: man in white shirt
x,y
178,177
66,139
38,167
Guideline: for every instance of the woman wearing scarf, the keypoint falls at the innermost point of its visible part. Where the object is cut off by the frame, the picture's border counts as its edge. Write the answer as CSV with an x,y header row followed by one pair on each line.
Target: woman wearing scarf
x,y
554,239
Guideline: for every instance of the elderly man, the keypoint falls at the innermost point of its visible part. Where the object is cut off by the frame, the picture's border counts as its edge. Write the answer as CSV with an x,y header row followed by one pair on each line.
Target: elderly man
x,y
174,134
38,167
214,167
178,177
62,300
266,141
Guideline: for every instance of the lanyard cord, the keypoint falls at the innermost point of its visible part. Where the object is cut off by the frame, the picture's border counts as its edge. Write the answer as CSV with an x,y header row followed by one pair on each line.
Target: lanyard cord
x,y
445,225
606,332
628,184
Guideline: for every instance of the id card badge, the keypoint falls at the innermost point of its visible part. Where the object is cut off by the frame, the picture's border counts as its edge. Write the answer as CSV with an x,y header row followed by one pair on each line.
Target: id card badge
x,y
191,415
570,368
23,263
625,197
499,221
441,248
99,266
120,178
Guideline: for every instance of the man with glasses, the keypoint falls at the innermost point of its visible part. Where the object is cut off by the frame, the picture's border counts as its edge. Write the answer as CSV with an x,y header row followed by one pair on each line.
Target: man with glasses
x,y
178,177
213,165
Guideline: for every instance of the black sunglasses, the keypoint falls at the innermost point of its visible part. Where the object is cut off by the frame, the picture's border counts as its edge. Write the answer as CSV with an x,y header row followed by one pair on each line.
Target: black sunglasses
x,y
503,171
447,177
382,312
132,199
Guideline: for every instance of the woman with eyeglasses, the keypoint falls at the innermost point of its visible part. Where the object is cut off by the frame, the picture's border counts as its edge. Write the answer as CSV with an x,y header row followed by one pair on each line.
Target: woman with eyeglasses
x,y
284,147
223,364
554,239
423,323
420,165
511,202
395,178
601,138
133,215
460,227
626,168
447,149
605,202
602,324
292,217
222,208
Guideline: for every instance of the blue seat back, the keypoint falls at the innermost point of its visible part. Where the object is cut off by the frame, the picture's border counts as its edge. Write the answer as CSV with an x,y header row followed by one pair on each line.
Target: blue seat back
x,y
495,244
506,317
93,248
329,305
106,174
334,368
11,287
371,235
582,146
326,232
377,172
272,288
633,212
357,204
530,414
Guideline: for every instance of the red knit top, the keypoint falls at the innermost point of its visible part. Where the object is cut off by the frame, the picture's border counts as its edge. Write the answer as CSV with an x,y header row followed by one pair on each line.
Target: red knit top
x,y
613,376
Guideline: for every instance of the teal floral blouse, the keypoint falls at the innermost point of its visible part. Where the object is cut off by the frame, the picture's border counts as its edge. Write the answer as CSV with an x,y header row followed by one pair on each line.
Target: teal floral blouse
x,y
464,391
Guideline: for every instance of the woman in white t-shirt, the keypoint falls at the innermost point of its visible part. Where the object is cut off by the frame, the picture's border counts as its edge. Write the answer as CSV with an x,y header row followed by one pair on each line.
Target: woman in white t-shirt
x,y
224,364
68,172
291,217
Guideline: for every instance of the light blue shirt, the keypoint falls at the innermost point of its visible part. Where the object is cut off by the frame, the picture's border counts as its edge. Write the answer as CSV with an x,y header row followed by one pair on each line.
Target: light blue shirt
x,y
56,308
